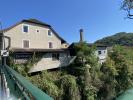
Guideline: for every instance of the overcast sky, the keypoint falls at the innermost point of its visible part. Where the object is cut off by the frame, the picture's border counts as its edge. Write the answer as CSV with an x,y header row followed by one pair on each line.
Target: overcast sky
x,y
98,18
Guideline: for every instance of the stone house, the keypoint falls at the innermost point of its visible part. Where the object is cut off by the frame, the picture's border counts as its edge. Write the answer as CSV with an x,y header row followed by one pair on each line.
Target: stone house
x,y
31,36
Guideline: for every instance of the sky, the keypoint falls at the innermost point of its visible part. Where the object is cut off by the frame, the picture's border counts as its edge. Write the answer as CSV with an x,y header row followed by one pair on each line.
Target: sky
x,y
98,18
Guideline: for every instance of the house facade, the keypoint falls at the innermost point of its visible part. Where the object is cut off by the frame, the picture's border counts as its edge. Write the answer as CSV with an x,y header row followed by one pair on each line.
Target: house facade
x,y
31,36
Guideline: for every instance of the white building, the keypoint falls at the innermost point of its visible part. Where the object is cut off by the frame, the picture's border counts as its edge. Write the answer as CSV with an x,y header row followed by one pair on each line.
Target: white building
x,y
101,53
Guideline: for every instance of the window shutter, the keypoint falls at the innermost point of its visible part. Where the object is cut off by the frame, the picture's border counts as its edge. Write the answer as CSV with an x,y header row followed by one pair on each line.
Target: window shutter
x,y
26,44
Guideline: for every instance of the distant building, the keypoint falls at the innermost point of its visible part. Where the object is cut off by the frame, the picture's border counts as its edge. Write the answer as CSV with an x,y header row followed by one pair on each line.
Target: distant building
x,y
101,51
33,36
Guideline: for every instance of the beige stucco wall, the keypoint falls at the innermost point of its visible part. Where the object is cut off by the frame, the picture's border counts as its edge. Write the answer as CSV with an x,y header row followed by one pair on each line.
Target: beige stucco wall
x,y
37,39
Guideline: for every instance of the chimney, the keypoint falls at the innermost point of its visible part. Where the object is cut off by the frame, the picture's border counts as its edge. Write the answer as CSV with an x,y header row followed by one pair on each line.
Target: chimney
x,y
81,35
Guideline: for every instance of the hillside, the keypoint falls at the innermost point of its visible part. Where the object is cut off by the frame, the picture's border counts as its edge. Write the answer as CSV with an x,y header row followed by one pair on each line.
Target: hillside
x,y
122,38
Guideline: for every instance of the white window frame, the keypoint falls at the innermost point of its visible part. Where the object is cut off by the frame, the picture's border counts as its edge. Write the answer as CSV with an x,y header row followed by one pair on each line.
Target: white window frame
x,y
23,43
50,32
23,28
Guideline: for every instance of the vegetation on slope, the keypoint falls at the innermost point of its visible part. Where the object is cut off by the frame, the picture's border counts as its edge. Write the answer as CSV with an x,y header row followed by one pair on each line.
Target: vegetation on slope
x,y
122,38
85,79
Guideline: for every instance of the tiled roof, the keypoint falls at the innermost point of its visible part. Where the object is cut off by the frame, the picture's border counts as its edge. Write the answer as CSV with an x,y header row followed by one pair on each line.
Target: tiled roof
x,y
35,21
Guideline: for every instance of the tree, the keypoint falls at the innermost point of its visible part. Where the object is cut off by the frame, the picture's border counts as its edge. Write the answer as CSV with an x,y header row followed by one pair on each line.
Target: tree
x,y
86,69
109,72
69,88
122,64
127,5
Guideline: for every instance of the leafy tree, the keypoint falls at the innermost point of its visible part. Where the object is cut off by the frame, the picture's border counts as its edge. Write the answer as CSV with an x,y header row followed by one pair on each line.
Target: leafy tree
x,y
86,69
69,88
86,79
123,67
116,73
45,82
62,87
109,72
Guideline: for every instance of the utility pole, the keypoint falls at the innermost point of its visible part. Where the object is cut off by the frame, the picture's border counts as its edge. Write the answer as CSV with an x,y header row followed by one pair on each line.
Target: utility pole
x,y
4,52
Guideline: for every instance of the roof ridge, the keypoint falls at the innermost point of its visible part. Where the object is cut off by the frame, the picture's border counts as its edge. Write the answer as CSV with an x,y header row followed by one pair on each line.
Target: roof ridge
x,y
36,21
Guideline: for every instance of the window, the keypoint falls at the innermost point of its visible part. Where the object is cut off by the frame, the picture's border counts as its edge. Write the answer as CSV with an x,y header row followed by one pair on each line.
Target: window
x,y
25,28
55,56
99,52
49,33
50,45
25,43
65,45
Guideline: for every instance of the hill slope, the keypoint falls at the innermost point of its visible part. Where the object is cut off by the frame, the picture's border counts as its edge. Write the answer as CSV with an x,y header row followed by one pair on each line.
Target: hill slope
x,y
122,38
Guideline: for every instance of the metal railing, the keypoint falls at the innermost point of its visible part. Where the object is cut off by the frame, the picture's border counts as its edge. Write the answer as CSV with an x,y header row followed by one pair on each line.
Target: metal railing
x,y
13,85
21,88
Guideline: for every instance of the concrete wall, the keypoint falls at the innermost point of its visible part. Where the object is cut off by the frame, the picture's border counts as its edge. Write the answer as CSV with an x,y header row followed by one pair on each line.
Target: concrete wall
x,y
47,63
37,39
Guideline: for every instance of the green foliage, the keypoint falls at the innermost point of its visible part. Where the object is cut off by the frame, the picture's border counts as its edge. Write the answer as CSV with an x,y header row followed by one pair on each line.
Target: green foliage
x,y
109,73
83,85
90,92
44,81
86,69
33,60
122,38
119,55
69,87
116,73
86,79
24,68
18,67
62,88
